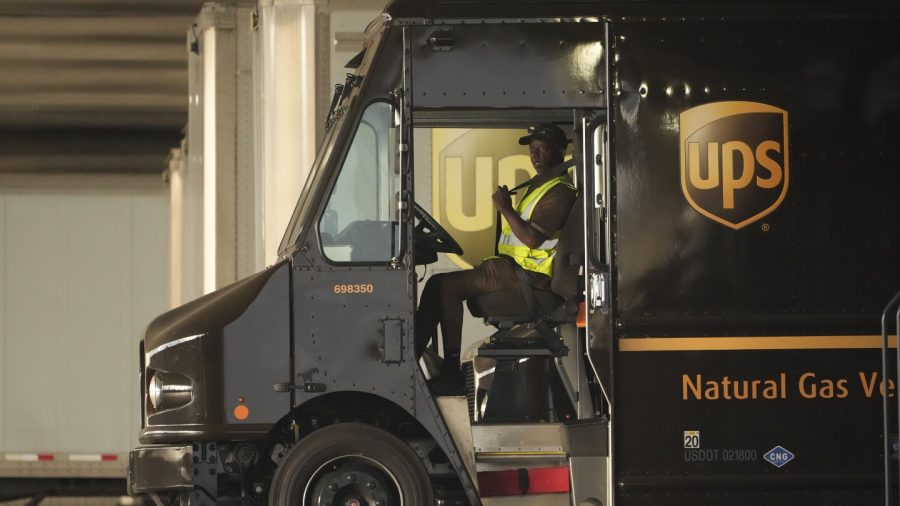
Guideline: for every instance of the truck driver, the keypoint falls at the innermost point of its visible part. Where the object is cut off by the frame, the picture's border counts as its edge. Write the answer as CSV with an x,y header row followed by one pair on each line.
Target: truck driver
x,y
528,237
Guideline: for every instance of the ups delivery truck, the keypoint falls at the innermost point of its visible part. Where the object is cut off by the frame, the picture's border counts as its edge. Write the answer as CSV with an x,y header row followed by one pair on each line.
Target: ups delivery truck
x,y
722,319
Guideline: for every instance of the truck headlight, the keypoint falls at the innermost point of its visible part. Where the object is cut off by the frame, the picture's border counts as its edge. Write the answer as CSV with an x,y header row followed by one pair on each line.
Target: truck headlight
x,y
169,390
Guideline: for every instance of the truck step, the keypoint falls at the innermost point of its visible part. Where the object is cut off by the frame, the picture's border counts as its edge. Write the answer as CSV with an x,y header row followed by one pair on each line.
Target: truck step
x,y
520,443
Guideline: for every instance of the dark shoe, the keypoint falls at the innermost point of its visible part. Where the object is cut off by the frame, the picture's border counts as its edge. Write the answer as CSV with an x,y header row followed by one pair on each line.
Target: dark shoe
x,y
448,383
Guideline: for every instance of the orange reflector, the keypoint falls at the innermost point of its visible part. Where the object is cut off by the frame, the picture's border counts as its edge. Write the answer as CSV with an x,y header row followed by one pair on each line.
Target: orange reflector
x,y
241,412
581,320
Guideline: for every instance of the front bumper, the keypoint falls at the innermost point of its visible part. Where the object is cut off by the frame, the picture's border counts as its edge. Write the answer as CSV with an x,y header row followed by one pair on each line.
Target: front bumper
x,y
162,468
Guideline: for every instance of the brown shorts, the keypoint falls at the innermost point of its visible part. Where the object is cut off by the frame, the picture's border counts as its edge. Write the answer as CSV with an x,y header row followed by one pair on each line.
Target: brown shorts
x,y
497,275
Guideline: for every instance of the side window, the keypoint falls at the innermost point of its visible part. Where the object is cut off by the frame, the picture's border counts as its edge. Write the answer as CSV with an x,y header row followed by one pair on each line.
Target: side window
x,y
358,224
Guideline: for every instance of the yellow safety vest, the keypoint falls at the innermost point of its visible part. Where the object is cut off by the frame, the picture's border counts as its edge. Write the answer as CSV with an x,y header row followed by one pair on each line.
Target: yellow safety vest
x,y
538,259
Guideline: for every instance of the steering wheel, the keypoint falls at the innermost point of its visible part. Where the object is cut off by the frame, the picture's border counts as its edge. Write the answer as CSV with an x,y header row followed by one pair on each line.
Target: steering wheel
x,y
430,235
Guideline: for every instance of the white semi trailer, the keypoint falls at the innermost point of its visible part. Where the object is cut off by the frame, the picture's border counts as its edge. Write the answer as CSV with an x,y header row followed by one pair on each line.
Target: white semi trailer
x,y
83,264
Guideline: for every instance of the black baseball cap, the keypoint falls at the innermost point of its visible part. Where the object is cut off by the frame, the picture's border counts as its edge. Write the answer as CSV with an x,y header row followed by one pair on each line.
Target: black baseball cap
x,y
545,132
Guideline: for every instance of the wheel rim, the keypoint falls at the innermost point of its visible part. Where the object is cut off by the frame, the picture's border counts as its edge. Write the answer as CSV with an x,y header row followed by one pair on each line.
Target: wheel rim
x,y
352,480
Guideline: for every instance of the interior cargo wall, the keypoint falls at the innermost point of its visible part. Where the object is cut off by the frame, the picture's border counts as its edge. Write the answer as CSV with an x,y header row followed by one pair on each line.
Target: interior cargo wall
x,y
83,268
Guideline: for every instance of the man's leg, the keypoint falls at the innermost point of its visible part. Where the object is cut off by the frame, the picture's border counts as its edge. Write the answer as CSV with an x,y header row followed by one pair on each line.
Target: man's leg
x,y
442,303
453,291
428,315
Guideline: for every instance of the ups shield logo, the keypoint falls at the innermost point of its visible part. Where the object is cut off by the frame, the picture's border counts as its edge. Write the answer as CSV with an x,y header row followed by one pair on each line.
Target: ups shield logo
x,y
467,166
734,160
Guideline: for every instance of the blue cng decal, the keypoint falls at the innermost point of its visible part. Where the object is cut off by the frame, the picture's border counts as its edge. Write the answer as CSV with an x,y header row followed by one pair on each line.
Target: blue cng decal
x,y
778,456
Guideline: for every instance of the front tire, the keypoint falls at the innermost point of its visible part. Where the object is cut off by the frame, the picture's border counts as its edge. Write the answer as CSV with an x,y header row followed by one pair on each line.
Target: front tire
x,y
351,463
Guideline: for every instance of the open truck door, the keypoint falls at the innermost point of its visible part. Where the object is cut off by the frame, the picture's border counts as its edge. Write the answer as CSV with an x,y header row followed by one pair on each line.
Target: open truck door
x,y
541,411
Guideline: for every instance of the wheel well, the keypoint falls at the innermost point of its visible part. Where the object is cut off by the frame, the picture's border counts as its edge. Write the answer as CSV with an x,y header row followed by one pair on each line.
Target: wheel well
x,y
358,407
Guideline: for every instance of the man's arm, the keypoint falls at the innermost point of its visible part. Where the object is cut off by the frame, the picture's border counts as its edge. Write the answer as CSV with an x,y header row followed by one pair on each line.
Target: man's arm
x,y
524,230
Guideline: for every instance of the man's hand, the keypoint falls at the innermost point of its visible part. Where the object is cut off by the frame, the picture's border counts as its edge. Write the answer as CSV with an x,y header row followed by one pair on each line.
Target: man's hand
x,y
501,198
526,233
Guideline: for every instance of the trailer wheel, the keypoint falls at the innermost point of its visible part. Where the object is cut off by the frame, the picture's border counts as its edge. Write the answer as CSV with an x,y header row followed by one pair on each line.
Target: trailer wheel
x,y
351,464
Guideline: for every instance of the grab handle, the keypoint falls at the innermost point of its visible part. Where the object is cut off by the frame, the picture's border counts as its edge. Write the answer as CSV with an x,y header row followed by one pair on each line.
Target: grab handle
x,y
895,302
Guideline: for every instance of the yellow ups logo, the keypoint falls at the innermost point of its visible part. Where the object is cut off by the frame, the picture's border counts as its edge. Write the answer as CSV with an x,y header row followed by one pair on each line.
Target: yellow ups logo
x,y
467,166
734,160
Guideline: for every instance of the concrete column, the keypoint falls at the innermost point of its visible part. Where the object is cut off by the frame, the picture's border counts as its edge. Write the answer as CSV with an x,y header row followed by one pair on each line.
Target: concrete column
x,y
211,120
290,63
176,226
220,183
